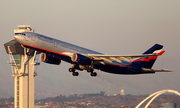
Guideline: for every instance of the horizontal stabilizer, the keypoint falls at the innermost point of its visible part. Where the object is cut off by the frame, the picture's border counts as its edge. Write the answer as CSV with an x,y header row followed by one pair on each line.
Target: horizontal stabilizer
x,y
156,70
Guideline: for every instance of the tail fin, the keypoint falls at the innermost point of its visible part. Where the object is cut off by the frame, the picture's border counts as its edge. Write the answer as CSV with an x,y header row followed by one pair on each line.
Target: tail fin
x,y
148,62
153,48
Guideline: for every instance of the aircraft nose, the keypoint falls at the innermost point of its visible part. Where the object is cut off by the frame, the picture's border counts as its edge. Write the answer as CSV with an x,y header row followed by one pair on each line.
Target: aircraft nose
x,y
18,38
15,36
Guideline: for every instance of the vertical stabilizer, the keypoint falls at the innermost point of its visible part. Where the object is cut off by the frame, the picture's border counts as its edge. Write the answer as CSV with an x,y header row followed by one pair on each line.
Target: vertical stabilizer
x,y
151,60
147,62
153,48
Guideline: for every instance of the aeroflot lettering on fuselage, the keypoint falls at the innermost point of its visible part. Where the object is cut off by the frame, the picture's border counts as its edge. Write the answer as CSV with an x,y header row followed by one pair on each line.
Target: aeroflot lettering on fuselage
x,y
52,41
46,39
85,59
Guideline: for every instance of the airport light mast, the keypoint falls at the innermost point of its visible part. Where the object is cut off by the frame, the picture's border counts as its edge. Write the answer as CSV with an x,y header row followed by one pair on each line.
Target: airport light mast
x,y
22,62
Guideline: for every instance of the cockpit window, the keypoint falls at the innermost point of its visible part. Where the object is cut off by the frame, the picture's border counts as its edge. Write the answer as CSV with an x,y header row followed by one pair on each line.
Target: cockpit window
x,y
23,34
20,33
17,33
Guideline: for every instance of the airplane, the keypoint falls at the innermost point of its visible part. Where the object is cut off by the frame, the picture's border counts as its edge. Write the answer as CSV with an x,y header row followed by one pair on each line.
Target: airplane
x,y
53,51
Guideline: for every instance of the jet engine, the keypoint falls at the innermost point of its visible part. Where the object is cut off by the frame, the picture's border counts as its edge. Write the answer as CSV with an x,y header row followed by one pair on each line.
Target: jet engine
x,y
81,59
47,58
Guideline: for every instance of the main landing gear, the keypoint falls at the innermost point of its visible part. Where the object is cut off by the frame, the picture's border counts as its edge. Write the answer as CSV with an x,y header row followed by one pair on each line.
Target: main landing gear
x,y
93,74
73,72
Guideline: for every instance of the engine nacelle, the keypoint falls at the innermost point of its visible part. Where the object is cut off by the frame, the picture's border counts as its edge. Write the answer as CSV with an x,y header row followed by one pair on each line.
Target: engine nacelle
x,y
81,59
47,58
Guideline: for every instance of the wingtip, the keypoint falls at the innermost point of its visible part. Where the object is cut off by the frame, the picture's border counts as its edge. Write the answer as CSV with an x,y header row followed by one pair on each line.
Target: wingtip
x,y
166,70
170,71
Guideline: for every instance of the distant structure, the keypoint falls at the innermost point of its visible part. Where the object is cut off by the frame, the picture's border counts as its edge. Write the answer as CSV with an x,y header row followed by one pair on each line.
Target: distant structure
x,y
22,62
109,90
155,95
122,92
168,105
123,106
115,95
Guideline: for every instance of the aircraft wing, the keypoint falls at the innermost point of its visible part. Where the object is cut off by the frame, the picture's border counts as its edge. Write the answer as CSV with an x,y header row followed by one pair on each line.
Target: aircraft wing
x,y
156,70
118,58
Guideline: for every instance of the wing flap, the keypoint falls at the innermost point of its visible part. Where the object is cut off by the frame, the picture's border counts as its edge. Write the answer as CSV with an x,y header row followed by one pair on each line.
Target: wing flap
x,y
116,59
106,59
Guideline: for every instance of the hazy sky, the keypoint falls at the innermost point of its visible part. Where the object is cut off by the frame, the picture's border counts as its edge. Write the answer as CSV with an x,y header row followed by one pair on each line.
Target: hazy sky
x,y
109,26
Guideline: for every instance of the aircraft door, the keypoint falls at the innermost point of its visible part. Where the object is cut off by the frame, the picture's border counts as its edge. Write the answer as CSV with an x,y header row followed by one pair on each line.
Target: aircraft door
x,y
55,43
33,37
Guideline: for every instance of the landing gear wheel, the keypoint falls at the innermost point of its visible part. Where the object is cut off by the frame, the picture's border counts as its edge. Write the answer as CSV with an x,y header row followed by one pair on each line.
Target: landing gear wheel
x,y
75,73
93,74
71,70
90,70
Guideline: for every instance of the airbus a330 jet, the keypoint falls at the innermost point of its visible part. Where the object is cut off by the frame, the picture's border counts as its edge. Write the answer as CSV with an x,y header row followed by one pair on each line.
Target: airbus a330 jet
x,y
53,51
